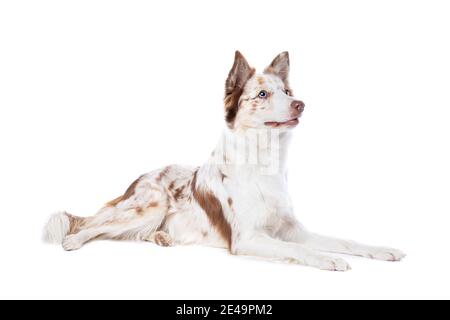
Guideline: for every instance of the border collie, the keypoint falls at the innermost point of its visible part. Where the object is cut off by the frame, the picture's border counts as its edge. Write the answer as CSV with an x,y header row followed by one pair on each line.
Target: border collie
x,y
237,200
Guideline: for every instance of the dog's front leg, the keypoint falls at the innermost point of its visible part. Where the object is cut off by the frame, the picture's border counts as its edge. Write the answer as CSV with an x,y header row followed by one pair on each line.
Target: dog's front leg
x,y
330,244
261,245
297,233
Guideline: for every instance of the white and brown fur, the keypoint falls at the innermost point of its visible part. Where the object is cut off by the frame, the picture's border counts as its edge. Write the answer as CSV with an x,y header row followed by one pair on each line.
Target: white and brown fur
x,y
224,203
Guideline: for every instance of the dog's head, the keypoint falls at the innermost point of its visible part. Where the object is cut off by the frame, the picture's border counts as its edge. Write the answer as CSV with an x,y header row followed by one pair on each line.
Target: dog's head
x,y
263,100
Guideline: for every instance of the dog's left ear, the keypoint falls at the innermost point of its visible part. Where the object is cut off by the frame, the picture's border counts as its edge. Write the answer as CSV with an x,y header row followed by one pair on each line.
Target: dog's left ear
x,y
280,66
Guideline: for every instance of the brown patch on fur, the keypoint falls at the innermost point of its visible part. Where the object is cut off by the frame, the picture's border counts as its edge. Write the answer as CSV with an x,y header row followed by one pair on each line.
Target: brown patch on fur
x,y
162,173
152,204
231,106
178,193
213,209
260,80
113,202
75,223
139,210
230,202
128,193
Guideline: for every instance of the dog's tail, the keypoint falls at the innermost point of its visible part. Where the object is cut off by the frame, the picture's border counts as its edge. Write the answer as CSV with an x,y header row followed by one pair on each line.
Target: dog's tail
x,y
59,225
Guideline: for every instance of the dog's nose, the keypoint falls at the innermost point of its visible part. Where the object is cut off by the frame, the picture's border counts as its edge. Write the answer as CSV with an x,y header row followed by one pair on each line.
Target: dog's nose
x,y
298,105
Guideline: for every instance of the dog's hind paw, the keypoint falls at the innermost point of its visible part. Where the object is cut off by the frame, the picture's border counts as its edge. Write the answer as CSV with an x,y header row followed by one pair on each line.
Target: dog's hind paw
x,y
161,238
72,242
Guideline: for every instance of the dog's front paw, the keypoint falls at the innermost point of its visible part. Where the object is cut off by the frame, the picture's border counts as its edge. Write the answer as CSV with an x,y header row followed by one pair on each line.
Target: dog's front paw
x,y
72,242
332,264
386,254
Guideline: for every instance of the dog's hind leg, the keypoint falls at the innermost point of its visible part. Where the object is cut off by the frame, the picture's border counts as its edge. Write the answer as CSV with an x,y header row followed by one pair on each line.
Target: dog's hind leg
x,y
132,224
134,216
138,214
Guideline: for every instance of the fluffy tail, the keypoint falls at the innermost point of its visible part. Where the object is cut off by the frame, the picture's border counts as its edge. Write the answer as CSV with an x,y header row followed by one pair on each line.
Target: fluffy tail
x,y
59,225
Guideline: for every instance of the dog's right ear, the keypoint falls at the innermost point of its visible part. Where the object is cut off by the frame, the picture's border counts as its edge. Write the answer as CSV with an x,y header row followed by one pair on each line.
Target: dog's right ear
x,y
234,86
239,74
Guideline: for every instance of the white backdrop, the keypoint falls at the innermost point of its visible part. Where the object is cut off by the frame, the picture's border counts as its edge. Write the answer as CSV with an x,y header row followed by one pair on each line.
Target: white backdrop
x,y
94,93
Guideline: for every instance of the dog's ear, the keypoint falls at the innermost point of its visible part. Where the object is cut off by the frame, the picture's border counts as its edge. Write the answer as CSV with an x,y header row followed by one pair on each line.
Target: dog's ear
x,y
238,75
280,66
234,86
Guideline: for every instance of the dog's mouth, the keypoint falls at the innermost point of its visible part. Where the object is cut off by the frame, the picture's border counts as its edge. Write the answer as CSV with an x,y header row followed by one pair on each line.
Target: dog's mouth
x,y
275,124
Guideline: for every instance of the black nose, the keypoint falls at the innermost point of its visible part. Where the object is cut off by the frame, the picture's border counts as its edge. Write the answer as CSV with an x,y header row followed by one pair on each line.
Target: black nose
x,y
298,105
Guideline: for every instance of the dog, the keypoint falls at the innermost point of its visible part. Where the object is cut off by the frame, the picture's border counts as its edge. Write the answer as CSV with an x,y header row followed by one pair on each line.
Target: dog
x,y
237,200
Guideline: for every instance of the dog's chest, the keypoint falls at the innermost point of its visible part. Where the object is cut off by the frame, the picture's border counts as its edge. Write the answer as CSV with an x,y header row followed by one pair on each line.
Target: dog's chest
x,y
257,199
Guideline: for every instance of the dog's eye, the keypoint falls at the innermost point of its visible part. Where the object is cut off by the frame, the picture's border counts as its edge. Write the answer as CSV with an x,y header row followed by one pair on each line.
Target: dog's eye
x,y
262,94
287,92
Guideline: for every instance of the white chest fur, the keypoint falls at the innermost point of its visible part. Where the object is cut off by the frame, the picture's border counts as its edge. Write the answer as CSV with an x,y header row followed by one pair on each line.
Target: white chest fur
x,y
253,164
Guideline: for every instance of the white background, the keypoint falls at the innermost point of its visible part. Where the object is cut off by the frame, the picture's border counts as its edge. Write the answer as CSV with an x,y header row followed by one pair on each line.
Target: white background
x,y
94,93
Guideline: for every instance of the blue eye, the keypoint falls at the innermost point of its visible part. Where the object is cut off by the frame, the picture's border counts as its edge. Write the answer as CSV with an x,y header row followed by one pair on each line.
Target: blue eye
x,y
262,94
